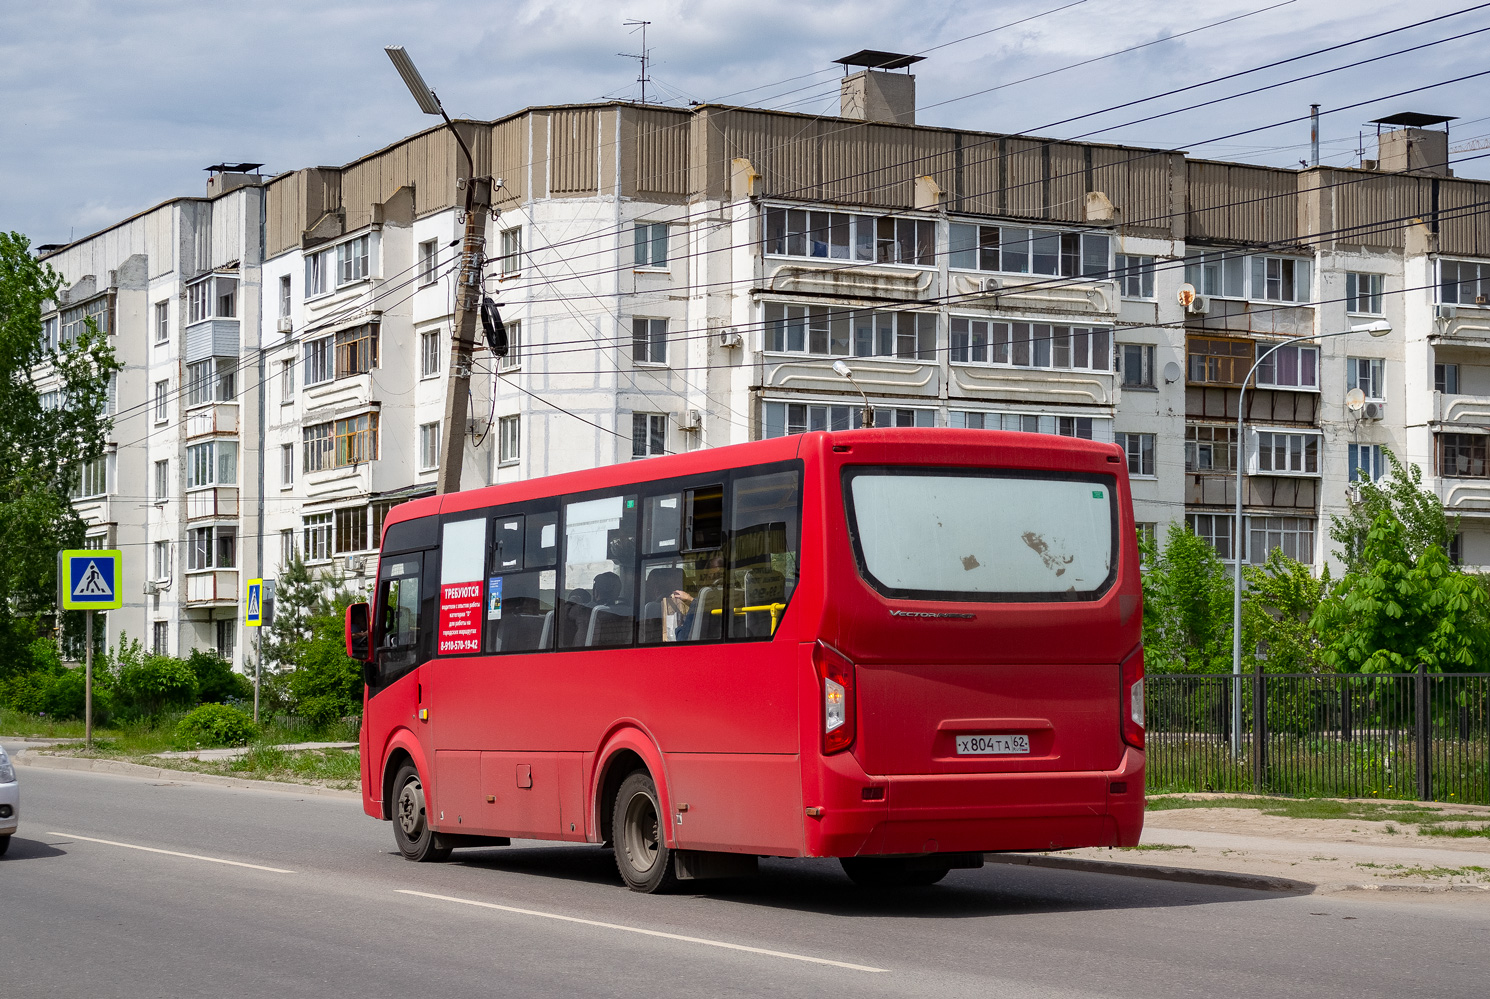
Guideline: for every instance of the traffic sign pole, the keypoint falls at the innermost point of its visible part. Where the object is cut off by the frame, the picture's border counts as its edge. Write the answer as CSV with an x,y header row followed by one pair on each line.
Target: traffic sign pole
x,y
90,579
88,678
253,617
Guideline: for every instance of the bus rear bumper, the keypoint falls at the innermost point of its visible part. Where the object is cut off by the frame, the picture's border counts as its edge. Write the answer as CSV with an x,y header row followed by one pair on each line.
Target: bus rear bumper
x,y
987,813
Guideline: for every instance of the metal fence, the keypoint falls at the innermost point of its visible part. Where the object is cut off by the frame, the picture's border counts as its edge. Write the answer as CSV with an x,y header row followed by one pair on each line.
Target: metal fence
x,y
1388,735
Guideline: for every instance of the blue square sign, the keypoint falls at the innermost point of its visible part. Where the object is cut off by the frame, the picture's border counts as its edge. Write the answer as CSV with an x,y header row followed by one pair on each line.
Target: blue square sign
x,y
92,579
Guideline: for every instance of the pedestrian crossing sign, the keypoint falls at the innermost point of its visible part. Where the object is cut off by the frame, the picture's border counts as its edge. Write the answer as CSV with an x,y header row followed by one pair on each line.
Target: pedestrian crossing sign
x,y
91,579
253,604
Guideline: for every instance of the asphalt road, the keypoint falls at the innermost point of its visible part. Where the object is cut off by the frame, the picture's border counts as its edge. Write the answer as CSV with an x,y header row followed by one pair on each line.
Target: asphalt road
x,y
142,907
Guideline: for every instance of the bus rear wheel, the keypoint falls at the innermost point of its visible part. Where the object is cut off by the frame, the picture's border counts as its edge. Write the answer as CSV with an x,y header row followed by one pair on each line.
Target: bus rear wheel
x,y
890,872
642,856
411,829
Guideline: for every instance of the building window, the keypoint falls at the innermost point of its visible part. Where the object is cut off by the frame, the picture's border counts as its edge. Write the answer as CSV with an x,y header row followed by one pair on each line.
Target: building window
x,y
1140,451
428,254
1366,463
351,529
514,356
286,382
162,480
429,447
318,361
1456,549
199,302
214,463
648,434
649,341
814,329
1462,455
357,439
212,380
209,547
76,320
1261,277
1463,282
318,448
1214,529
1138,365
1210,448
1018,250
212,298
429,354
286,545
1446,378
162,561
286,465
1363,293
351,261
1218,362
162,395
94,478
885,239
510,261
1023,345
227,635
49,340
1287,454
1148,532
356,350
284,296
317,274
1294,536
509,444
1290,367
650,242
159,636
162,322
1365,373
317,536
1135,276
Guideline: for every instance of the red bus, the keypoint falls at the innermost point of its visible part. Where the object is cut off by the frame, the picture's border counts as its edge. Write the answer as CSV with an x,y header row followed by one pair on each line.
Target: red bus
x,y
902,648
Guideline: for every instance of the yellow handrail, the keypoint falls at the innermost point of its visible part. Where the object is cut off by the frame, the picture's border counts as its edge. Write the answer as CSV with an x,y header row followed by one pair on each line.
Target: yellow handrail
x,y
775,610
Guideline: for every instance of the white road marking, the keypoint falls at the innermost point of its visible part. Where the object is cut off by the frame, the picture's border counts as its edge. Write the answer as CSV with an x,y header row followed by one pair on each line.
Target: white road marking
x,y
645,932
172,853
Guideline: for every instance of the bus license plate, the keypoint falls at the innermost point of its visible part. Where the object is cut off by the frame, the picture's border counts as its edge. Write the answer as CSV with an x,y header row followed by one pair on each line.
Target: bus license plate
x,y
992,745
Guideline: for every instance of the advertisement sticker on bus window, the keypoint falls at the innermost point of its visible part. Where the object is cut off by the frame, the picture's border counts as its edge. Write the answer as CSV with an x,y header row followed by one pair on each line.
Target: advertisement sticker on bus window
x,y
462,552
494,599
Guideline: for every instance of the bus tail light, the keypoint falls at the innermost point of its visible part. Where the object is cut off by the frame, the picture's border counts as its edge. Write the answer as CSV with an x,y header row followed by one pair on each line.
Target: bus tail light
x,y
839,697
1132,699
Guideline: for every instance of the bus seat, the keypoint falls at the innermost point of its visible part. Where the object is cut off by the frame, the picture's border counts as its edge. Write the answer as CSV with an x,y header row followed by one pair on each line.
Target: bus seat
x,y
608,627
546,638
651,630
705,623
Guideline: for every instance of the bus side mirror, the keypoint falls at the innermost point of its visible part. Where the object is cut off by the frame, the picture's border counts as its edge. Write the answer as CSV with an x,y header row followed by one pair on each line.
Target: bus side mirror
x,y
359,632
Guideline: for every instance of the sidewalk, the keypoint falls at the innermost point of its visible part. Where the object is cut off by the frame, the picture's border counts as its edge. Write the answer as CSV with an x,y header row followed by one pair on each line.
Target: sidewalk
x,y
1243,847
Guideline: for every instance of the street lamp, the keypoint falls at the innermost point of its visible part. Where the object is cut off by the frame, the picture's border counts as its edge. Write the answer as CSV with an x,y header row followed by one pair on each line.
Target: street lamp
x,y
842,368
428,102
1378,328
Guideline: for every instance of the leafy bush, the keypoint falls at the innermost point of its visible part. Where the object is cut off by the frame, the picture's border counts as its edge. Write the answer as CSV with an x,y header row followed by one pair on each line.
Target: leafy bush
x,y
210,725
155,684
326,685
216,681
64,698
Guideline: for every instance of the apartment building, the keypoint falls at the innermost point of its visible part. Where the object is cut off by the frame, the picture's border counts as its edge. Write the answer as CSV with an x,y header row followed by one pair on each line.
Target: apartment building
x,y
673,279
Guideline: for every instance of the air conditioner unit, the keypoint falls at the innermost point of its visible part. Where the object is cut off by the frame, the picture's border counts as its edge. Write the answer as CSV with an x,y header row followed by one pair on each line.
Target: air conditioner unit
x,y
1374,411
690,419
1200,305
993,284
286,324
354,564
151,588
1445,312
731,338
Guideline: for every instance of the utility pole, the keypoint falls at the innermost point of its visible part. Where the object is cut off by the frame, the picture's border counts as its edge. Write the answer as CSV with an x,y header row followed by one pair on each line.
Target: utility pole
x,y
467,284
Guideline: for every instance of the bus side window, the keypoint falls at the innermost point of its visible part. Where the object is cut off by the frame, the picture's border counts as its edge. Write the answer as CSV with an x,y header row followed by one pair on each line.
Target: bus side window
x,y
764,544
683,594
599,606
519,612
397,628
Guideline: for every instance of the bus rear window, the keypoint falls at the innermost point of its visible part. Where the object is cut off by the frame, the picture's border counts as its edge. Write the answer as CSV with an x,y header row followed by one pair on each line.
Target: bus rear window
x,y
975,535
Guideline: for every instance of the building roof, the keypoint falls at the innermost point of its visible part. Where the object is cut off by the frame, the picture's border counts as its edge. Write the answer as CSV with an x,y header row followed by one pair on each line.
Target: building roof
x,y
875,59
1414,119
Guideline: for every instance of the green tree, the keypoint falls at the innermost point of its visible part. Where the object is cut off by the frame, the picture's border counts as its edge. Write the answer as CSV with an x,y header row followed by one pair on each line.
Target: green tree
x,y
298,597
326,685
41,449
1187,604
1278,605
1401,495
1404,610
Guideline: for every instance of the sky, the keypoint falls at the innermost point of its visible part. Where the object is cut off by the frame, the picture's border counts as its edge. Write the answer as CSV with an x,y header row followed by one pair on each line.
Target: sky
x,y
107,108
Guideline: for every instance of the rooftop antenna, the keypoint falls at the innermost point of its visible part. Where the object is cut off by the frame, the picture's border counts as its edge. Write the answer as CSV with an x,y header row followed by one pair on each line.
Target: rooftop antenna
x,y
643,79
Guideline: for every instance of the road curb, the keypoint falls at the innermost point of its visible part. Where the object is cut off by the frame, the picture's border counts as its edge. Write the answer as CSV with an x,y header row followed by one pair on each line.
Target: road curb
x,y
27,758
1223,879
1417,887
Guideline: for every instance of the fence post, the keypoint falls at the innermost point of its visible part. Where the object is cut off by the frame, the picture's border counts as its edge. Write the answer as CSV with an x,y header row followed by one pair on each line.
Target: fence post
x,y
1259,732
1424,736
1345,733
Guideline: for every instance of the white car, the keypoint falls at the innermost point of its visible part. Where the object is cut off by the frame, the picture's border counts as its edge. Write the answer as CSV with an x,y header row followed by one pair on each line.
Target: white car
x,y
10,800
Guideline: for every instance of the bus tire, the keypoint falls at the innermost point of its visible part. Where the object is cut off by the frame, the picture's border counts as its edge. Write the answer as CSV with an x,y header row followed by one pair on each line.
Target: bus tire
x,y
890,872
642,855
411,829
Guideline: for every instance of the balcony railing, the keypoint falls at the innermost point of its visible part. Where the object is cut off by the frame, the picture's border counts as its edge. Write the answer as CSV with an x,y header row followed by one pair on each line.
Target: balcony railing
x,y
1470,410
221,418
219,501
213,586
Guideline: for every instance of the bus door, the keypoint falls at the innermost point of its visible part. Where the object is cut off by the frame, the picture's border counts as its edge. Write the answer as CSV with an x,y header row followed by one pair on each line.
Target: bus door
x,y
400,643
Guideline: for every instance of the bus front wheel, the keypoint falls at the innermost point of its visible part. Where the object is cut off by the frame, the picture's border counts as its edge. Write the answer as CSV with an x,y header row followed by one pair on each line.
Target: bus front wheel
x,y
642,856
411,829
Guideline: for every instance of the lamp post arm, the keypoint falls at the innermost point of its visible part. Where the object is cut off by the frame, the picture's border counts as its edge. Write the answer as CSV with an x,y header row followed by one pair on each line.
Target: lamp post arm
x,y
470,161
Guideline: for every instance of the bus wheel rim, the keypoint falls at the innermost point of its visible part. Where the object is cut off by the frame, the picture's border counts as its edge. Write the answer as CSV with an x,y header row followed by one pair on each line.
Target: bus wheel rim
x,y
411,809
642,827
